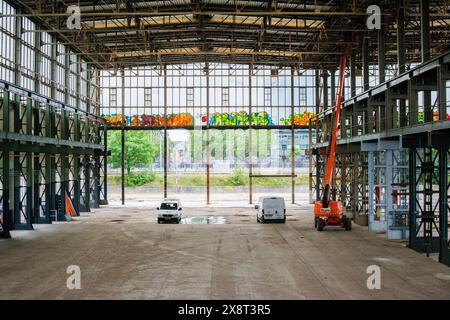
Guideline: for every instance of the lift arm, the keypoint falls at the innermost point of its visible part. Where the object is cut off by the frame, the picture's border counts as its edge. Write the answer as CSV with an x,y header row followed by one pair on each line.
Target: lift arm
x,y
330,162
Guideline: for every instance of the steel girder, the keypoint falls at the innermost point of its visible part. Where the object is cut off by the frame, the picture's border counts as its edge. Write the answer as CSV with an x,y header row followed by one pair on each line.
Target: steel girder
x,y
41,147
429,195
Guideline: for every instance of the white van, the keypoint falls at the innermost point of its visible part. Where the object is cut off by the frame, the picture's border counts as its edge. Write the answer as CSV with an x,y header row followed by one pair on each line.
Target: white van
x,y
271,209
169,210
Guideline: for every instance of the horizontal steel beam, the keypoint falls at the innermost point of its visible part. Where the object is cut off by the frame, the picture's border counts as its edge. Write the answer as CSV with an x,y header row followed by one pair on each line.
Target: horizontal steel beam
x,y
159,13
204,127
12,136
431,127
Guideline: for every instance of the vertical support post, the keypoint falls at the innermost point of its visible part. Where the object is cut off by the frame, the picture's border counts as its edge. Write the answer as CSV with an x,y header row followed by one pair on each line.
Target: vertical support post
x,y
381,56
389,158
425,52
371,181
444,253
105,165
333,87
122,167
17,47
208,150
401,52
6,189
250,143
49,169
29,167
354,185
76,166
425,29
87,168
413,103
352,72
442,92
412,197
37,169
389,121
292,138
325,89
401,55
75,157
16,169
365,62
64,183
37,131
53,53
317,91
317,103
6,172
64,165
165,155
310,163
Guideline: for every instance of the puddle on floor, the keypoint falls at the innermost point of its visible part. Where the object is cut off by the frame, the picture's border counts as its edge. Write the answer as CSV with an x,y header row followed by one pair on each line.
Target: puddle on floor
x,y
204,220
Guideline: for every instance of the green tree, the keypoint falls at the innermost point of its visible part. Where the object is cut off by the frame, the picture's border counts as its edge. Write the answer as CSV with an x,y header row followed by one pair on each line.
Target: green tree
x,y
296,152
141,148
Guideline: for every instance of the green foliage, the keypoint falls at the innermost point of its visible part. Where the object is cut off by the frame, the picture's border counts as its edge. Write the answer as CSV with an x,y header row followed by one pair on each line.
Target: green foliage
x,y
238,177
141,148
197,180
296,152
238,139
139,179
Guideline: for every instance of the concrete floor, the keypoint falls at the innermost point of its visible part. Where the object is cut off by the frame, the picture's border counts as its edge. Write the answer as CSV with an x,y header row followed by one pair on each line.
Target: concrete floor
x,y
124,254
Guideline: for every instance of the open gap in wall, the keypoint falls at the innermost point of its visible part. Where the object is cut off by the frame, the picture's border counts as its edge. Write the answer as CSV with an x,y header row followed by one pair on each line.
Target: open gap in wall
x,y
235,158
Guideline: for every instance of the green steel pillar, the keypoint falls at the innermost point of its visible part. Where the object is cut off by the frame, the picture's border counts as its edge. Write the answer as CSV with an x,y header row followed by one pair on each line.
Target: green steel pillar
x,y
96,173
29,168
48,169
52,161
64,165
6,174
444,253
76,167
37,167
412,197
87,169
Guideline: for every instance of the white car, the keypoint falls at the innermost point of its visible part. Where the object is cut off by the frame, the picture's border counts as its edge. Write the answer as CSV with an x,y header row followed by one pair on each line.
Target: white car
x,y
271,209
169,210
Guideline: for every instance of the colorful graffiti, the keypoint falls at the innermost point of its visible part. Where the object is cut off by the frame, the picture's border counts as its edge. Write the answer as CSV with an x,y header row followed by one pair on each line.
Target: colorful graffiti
x,y
239,119
435,116
116,120
147,120
300,119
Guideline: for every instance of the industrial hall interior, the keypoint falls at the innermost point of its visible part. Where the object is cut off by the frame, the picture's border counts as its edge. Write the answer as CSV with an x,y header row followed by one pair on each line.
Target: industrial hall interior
x,y
224,149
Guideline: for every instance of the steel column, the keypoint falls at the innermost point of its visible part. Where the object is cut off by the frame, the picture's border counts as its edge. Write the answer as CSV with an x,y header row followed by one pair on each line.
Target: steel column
x,y
165,151
365,62
352,73
292,139
7,218
122,167
250,142
444,207
208,150
381,56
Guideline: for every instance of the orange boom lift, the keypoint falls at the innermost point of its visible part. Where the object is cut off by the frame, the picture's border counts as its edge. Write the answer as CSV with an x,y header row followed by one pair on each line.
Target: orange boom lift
x,y
326,211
